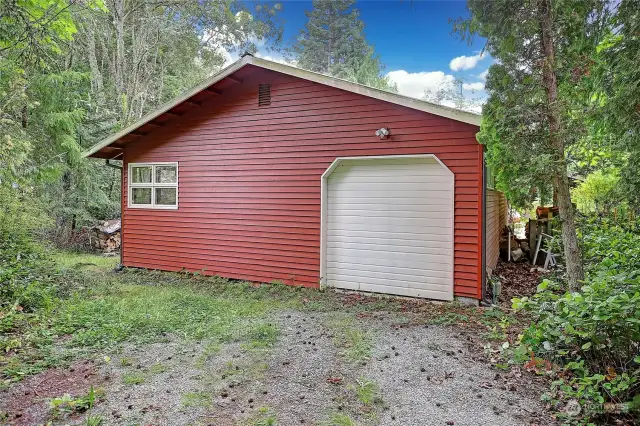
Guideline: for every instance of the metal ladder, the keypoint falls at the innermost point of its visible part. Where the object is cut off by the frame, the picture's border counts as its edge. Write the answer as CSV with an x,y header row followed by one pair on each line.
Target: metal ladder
x,y
550,259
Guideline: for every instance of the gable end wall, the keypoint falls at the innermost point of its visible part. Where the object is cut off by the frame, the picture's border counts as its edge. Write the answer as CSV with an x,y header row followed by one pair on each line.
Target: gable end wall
x,y
249,180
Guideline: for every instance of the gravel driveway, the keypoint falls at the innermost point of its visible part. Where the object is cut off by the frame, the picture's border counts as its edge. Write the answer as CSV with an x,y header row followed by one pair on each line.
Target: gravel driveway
x,y
330,368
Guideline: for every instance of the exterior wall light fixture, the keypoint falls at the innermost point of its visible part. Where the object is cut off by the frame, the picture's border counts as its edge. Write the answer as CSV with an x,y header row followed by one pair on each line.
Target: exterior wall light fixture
x,y
383,133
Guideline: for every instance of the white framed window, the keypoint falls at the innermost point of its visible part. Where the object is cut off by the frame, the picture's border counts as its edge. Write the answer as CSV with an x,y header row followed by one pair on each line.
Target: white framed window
x,y
153,185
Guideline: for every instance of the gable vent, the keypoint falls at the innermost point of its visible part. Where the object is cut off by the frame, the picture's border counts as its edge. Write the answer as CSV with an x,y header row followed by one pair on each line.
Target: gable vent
x,y
264,94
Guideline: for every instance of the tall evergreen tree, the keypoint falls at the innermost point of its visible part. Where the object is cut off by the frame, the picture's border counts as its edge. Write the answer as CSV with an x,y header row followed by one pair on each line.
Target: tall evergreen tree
x,y
333,43
616,78
534,112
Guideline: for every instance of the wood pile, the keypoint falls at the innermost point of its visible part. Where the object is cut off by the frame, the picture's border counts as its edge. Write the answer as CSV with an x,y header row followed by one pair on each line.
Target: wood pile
x,y
106,236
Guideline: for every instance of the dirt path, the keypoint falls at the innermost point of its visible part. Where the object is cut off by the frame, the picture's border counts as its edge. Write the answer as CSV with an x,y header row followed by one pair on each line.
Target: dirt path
x,y
324,369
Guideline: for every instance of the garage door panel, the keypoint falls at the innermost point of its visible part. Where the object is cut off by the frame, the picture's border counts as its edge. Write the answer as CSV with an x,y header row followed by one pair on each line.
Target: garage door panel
x,y
439,287
440,196
376,177
431,293
411,205
382,247
376,199
377,221
387,184
392,267
398,213
389,226
378,168
389,260
401,275
367,237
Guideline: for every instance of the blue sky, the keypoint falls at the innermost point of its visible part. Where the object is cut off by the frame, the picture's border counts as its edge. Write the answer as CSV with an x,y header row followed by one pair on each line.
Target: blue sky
x,y
413,40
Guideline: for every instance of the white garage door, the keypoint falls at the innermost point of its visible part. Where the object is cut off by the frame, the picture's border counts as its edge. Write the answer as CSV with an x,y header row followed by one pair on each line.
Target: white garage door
x,y
389,227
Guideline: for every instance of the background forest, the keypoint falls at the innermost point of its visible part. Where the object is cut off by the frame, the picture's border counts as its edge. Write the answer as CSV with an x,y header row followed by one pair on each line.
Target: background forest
x,y
561,123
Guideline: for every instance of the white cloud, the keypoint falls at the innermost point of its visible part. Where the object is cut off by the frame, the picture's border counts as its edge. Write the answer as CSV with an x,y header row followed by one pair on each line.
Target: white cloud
x,y
476,108
483,75
276,57
462,63
415,84
473,86
229,57
258,42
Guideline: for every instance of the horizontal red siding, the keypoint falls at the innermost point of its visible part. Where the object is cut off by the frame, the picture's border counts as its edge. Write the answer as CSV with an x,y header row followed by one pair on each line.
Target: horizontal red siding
x,y
249,179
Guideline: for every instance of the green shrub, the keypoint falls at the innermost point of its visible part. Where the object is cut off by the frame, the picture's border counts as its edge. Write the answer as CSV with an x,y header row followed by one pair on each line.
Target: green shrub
x,y
25,268
592,335
611,247
597,192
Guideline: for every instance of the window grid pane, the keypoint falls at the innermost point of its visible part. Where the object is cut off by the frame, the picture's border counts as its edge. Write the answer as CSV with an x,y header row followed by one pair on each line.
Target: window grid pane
x,y
141,196
166,196
154,185
166,174
141,174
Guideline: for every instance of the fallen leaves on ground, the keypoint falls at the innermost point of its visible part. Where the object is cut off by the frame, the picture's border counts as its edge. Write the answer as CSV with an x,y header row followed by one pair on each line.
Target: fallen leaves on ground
x,y
518,280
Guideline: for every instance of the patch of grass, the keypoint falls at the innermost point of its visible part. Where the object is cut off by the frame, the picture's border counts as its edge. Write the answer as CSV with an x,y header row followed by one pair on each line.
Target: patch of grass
x,y
265,417
94,311
95,262
339,419
138,377
143,313
231,370
158,368
262,336
211,349
197,399
133,379
498,324
355,343
94,420
367,392
270,420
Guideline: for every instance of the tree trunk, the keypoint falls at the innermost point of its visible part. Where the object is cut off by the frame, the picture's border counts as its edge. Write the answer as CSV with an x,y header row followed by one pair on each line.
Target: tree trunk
x,y
572,252
118,17
112,183
25,116
96,80
329,47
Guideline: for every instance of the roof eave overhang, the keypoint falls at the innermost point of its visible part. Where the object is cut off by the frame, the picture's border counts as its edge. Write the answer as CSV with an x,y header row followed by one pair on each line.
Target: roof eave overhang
x,y
169,105
100,150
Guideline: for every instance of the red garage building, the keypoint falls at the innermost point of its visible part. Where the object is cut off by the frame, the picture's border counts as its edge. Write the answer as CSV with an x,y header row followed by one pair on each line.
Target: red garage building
x,y
266,172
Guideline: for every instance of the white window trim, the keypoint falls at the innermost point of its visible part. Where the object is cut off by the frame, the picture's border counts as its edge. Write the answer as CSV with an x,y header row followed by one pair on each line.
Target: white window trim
x,y
153,185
